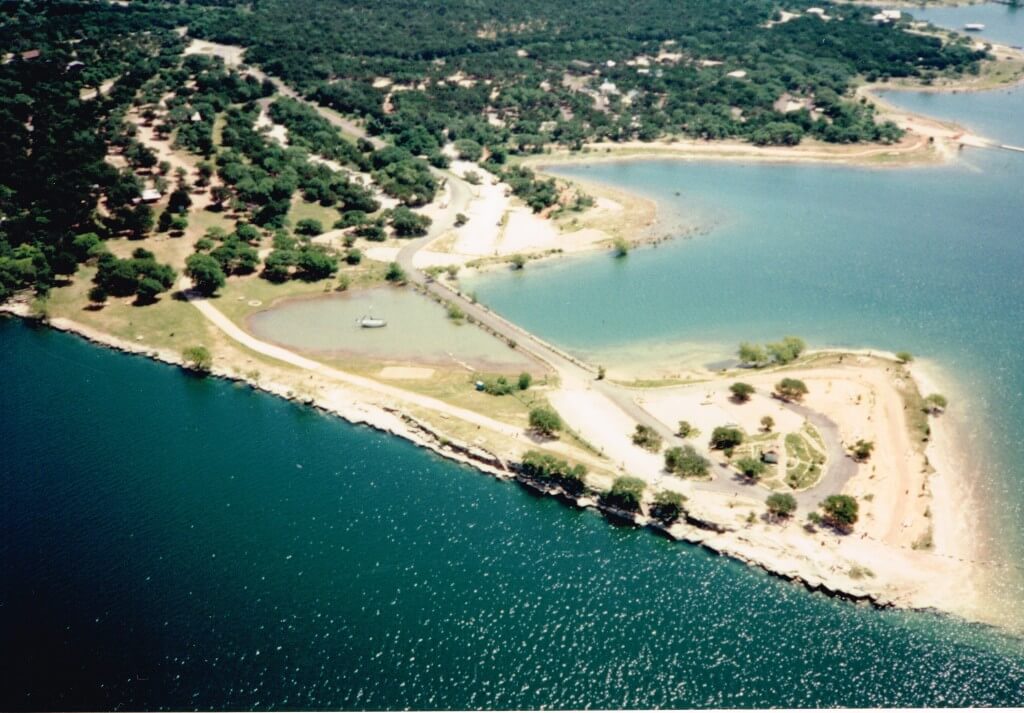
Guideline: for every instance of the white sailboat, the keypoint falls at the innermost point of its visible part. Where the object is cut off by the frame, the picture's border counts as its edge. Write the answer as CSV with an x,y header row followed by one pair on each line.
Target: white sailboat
x,y
368,321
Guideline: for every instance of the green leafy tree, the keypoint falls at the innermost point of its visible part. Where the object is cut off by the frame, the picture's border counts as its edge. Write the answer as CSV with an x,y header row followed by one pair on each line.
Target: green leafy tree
x,y
205,272
791,389
524,381
687,462
395,273
647,438
741,392
668,506
840,512
309,227
685,429
198,358
725,437
751,468
752,354
787,350
780,505
626,493
935,403
904,357
545,421
767,424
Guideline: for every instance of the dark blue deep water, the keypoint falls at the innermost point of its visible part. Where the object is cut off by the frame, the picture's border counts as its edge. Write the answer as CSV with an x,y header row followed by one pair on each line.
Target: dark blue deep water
x,y
171,542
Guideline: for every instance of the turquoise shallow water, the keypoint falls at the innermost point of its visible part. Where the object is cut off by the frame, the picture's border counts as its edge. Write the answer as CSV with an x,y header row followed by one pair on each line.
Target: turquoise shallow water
x,y
170,542
925,259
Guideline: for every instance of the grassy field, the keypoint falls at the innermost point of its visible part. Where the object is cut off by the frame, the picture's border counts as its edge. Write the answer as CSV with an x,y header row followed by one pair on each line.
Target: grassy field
x,y
805,457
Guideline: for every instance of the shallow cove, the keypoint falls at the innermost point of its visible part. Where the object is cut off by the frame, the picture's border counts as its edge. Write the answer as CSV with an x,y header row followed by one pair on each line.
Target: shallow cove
x,y
418,329
173,542
929,260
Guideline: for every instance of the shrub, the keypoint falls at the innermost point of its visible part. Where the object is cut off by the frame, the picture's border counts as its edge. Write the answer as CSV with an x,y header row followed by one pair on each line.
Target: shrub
x,y
862,449
395,273
198,358
524,381
647,438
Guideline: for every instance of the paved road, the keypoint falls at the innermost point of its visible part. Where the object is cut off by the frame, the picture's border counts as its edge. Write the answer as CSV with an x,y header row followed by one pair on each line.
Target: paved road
x,y
572,371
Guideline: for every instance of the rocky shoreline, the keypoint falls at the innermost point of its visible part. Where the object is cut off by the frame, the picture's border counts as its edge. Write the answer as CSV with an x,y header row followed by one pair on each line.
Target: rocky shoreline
x,y
713,536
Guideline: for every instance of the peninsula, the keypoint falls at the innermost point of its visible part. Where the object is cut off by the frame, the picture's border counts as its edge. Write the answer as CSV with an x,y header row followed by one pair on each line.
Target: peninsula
x,y
230,182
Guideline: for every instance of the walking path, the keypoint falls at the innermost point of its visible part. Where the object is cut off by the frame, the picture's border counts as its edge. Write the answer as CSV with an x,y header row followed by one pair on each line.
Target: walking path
x,y
606,401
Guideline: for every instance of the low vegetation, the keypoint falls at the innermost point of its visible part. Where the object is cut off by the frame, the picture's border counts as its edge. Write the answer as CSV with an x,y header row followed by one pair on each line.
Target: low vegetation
x,y
647,438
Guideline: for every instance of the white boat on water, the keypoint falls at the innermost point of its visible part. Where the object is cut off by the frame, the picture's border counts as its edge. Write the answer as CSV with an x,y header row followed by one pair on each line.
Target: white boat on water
x,y
974,27
370,322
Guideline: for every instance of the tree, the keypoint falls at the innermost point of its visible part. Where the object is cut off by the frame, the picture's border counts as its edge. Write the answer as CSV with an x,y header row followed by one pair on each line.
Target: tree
x,y
752,468
668,506
780,505
309,227
518,262
841,512
206,273
935,404
409,224
545,421
647,438
741,392
198,358
97,295
752,354
767,424
862,450
725,437
148,290
395,273
626,493
686,461
180,200
904,357
621,247
524,381
685,429
787,350
461,219
354,256
316,264
791,389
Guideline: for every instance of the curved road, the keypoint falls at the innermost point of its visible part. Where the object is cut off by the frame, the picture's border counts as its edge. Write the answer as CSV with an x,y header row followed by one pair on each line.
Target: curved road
x,y
573,372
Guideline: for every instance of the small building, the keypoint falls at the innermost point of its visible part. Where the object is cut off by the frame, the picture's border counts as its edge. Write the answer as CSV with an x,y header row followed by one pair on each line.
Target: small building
x,y
74,67
151,195
820,12
29,55
737,74
196,117
892,14
770,457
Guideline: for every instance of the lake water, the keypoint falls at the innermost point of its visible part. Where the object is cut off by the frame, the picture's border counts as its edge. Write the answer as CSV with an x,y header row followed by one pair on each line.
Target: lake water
x,y
170,542
930,260
418,329
1002,23
173,542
